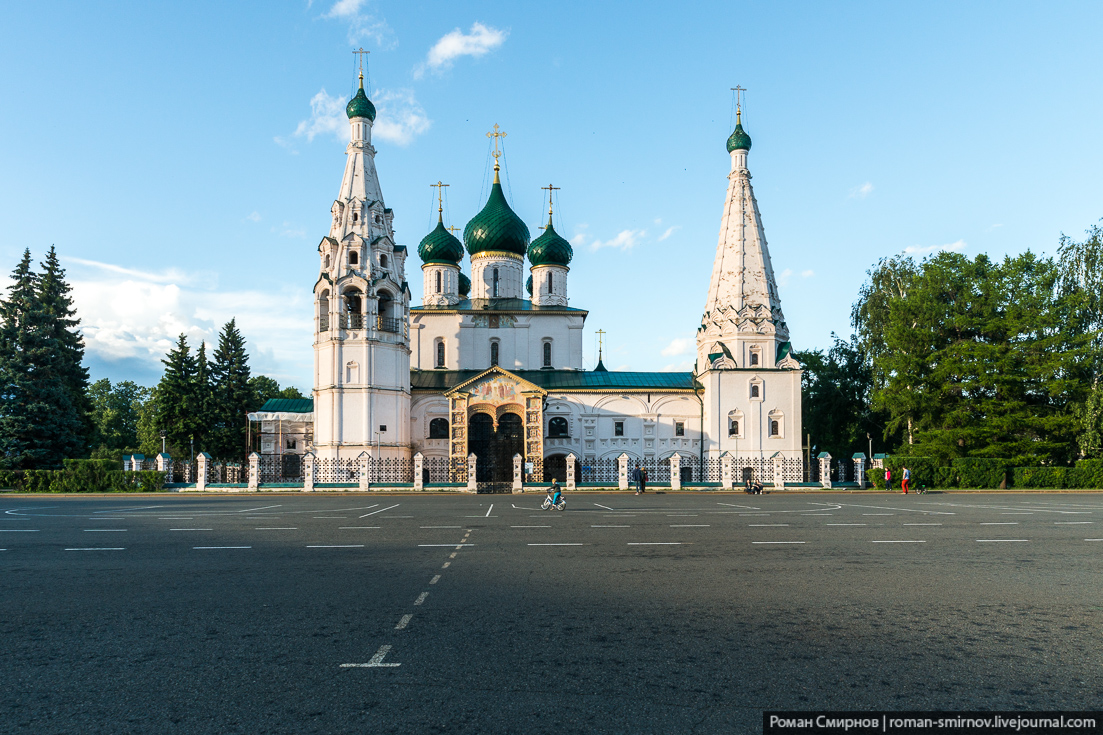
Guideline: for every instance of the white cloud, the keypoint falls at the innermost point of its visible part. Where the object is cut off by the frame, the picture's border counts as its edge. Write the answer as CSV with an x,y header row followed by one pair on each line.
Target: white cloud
x,y
684,366
361,22
993,227
669,231
289,230
625,240
135,317
401,118
479,42
254,217
861,192
783,277
917,250
807,274
680,346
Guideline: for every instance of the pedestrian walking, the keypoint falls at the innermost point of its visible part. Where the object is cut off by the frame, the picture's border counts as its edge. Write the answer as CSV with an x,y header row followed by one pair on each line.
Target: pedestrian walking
x,y
635,477
888,479
906,480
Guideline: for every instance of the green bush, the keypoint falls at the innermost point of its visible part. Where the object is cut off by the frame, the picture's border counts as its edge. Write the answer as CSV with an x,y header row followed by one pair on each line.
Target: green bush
x,y
924,470
83,476
876,477
1041,477
976,472
1087,474
9,479
943,477
147,481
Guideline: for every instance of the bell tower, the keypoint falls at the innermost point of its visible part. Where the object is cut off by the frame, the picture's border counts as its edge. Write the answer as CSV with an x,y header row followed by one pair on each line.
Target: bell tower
x,y
361,314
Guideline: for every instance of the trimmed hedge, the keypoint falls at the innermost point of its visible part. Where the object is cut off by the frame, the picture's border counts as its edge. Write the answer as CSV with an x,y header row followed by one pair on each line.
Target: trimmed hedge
x,y
83,476
876,477
974,472
1043,477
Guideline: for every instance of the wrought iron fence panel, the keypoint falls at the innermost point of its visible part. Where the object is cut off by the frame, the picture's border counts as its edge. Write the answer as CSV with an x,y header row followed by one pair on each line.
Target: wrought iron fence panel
x,y
658,470
281,468
599,471
390,469
435,469
229,473
337,470
696,469
458,469
793,470
182,471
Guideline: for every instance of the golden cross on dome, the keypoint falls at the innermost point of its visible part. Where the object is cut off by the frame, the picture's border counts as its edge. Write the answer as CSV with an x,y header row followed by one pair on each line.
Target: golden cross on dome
x,y
360,52
600,342
453,229
439,186
495,134
739,92
551,190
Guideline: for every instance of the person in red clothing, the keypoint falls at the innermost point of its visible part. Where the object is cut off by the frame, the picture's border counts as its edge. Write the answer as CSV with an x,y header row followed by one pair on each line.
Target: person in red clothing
x,y
888,479
906,480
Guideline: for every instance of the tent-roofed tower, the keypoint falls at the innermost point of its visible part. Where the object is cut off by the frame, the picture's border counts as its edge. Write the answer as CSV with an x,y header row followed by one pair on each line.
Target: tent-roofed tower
x,y
361,339
752,384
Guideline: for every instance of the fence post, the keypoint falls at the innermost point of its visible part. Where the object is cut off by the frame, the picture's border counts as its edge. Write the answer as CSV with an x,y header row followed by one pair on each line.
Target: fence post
x,y
254,471
308,472
726,471
860,469
779,471
518,484
203,460
825,469
571,461
622,471
419,472
164,463
675,472
136,462
471,462
126,463
364,463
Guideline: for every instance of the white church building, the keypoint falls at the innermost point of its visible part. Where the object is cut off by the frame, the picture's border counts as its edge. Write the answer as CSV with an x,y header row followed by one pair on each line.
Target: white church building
x,y
491,365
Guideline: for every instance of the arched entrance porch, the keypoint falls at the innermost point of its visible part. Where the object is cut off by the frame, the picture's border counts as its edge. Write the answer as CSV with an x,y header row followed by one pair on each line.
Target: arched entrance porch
x,y
494,448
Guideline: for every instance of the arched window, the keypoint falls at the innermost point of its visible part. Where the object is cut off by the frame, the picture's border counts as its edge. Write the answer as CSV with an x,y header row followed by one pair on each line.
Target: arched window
x,y
775,428
494,290
754,358
353,316
547,354
355,217
733,427
438,281
438,429
493,354
558,427
354,257
382,261
440,354
327,260
549,282
754,391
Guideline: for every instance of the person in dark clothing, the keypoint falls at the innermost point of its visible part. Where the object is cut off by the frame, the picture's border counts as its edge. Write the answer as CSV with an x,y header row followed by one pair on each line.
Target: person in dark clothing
x,y
643,481
635,478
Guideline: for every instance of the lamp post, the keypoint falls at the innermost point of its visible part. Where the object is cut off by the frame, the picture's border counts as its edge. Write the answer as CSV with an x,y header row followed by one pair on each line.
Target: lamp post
x,y
870,438
163,434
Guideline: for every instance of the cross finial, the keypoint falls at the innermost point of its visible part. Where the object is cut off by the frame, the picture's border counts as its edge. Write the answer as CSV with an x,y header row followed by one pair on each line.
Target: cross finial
x,y
360,52
551,190
600,342
740,92
439,186
496,135
453,229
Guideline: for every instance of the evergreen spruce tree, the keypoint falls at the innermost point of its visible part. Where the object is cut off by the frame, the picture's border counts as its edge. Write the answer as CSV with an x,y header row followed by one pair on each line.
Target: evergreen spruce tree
x,y
175,399
203,420
231,394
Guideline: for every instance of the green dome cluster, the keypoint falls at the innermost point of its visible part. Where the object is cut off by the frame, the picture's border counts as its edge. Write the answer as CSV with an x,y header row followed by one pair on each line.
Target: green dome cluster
x,y
528,285
440,246
496,227
550,249
739,140
465,285
360,105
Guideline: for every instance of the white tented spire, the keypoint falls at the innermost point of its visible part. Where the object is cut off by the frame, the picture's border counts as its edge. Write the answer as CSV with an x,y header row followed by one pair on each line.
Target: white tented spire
x,y
742,325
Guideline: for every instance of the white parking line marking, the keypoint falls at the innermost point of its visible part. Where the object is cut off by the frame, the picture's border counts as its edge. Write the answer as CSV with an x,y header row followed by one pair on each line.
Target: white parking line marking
x,y
922,524
18,530
452,545
1093,539
421,598
102,548
654,543
681,515
878,514
847,524
777,542
489,509
329,518
690,525
105,530
191,529
404,622
1071,523
999,540
355,528
376,661
289,528
557,544
765,525
170,518
381,510
435,579
606,507
440,526
530,526
446,565
222,547
753,515
1017,514
898,542
999,523
335,546
733,505
610,526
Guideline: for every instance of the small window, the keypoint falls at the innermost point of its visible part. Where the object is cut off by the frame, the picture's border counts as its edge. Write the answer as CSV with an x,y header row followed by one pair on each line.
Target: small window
x,y
549,282
547,354
438,429
733,428
382,261
754,358
618,428
382,428
290,443
679,428
494,290
440,354
438,281
558,427
774,428
355,217
354,257
754,391
327,261
493,354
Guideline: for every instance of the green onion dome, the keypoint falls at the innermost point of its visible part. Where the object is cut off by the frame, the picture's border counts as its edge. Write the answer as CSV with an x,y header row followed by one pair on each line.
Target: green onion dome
x,y
496,227
465,285
739,139
528,285
440,246
550,248
360,105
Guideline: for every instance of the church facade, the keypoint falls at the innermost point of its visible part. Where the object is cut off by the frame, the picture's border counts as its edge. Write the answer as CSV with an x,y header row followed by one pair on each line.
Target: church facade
x,y
490,364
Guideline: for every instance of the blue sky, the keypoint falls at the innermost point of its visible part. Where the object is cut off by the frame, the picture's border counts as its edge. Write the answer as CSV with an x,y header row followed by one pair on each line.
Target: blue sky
x,y
183,157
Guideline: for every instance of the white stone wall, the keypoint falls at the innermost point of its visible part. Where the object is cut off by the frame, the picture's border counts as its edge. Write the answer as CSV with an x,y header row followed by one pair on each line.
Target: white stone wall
x,y
728,395
449,282
521,337
511,279
557,294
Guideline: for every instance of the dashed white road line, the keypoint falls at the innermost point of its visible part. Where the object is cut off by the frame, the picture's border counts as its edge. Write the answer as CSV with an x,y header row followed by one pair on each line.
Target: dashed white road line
x,y
421,598
271,528
375,662
105,530
452,545
100,548
404,622
355,528
530,526
18,530
435,579
999,540
847,524
191,529
557,544
912,541
440,526
606,507
222,547
690,525
654,543
1071,523
1093,539
767,543
765,525
878,514
999,523
446,565
733,505
489,509
335,546
381,510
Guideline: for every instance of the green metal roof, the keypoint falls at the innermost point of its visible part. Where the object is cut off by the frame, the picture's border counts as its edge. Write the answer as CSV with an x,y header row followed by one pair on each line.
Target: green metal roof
x,y
528,285
288,405
496,227
440,246
465,284
553,380
489,306
550,249
360,105
739,139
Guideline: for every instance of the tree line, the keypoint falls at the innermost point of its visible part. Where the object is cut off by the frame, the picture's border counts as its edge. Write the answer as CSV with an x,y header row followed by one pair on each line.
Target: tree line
x,y
49,411
954,357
